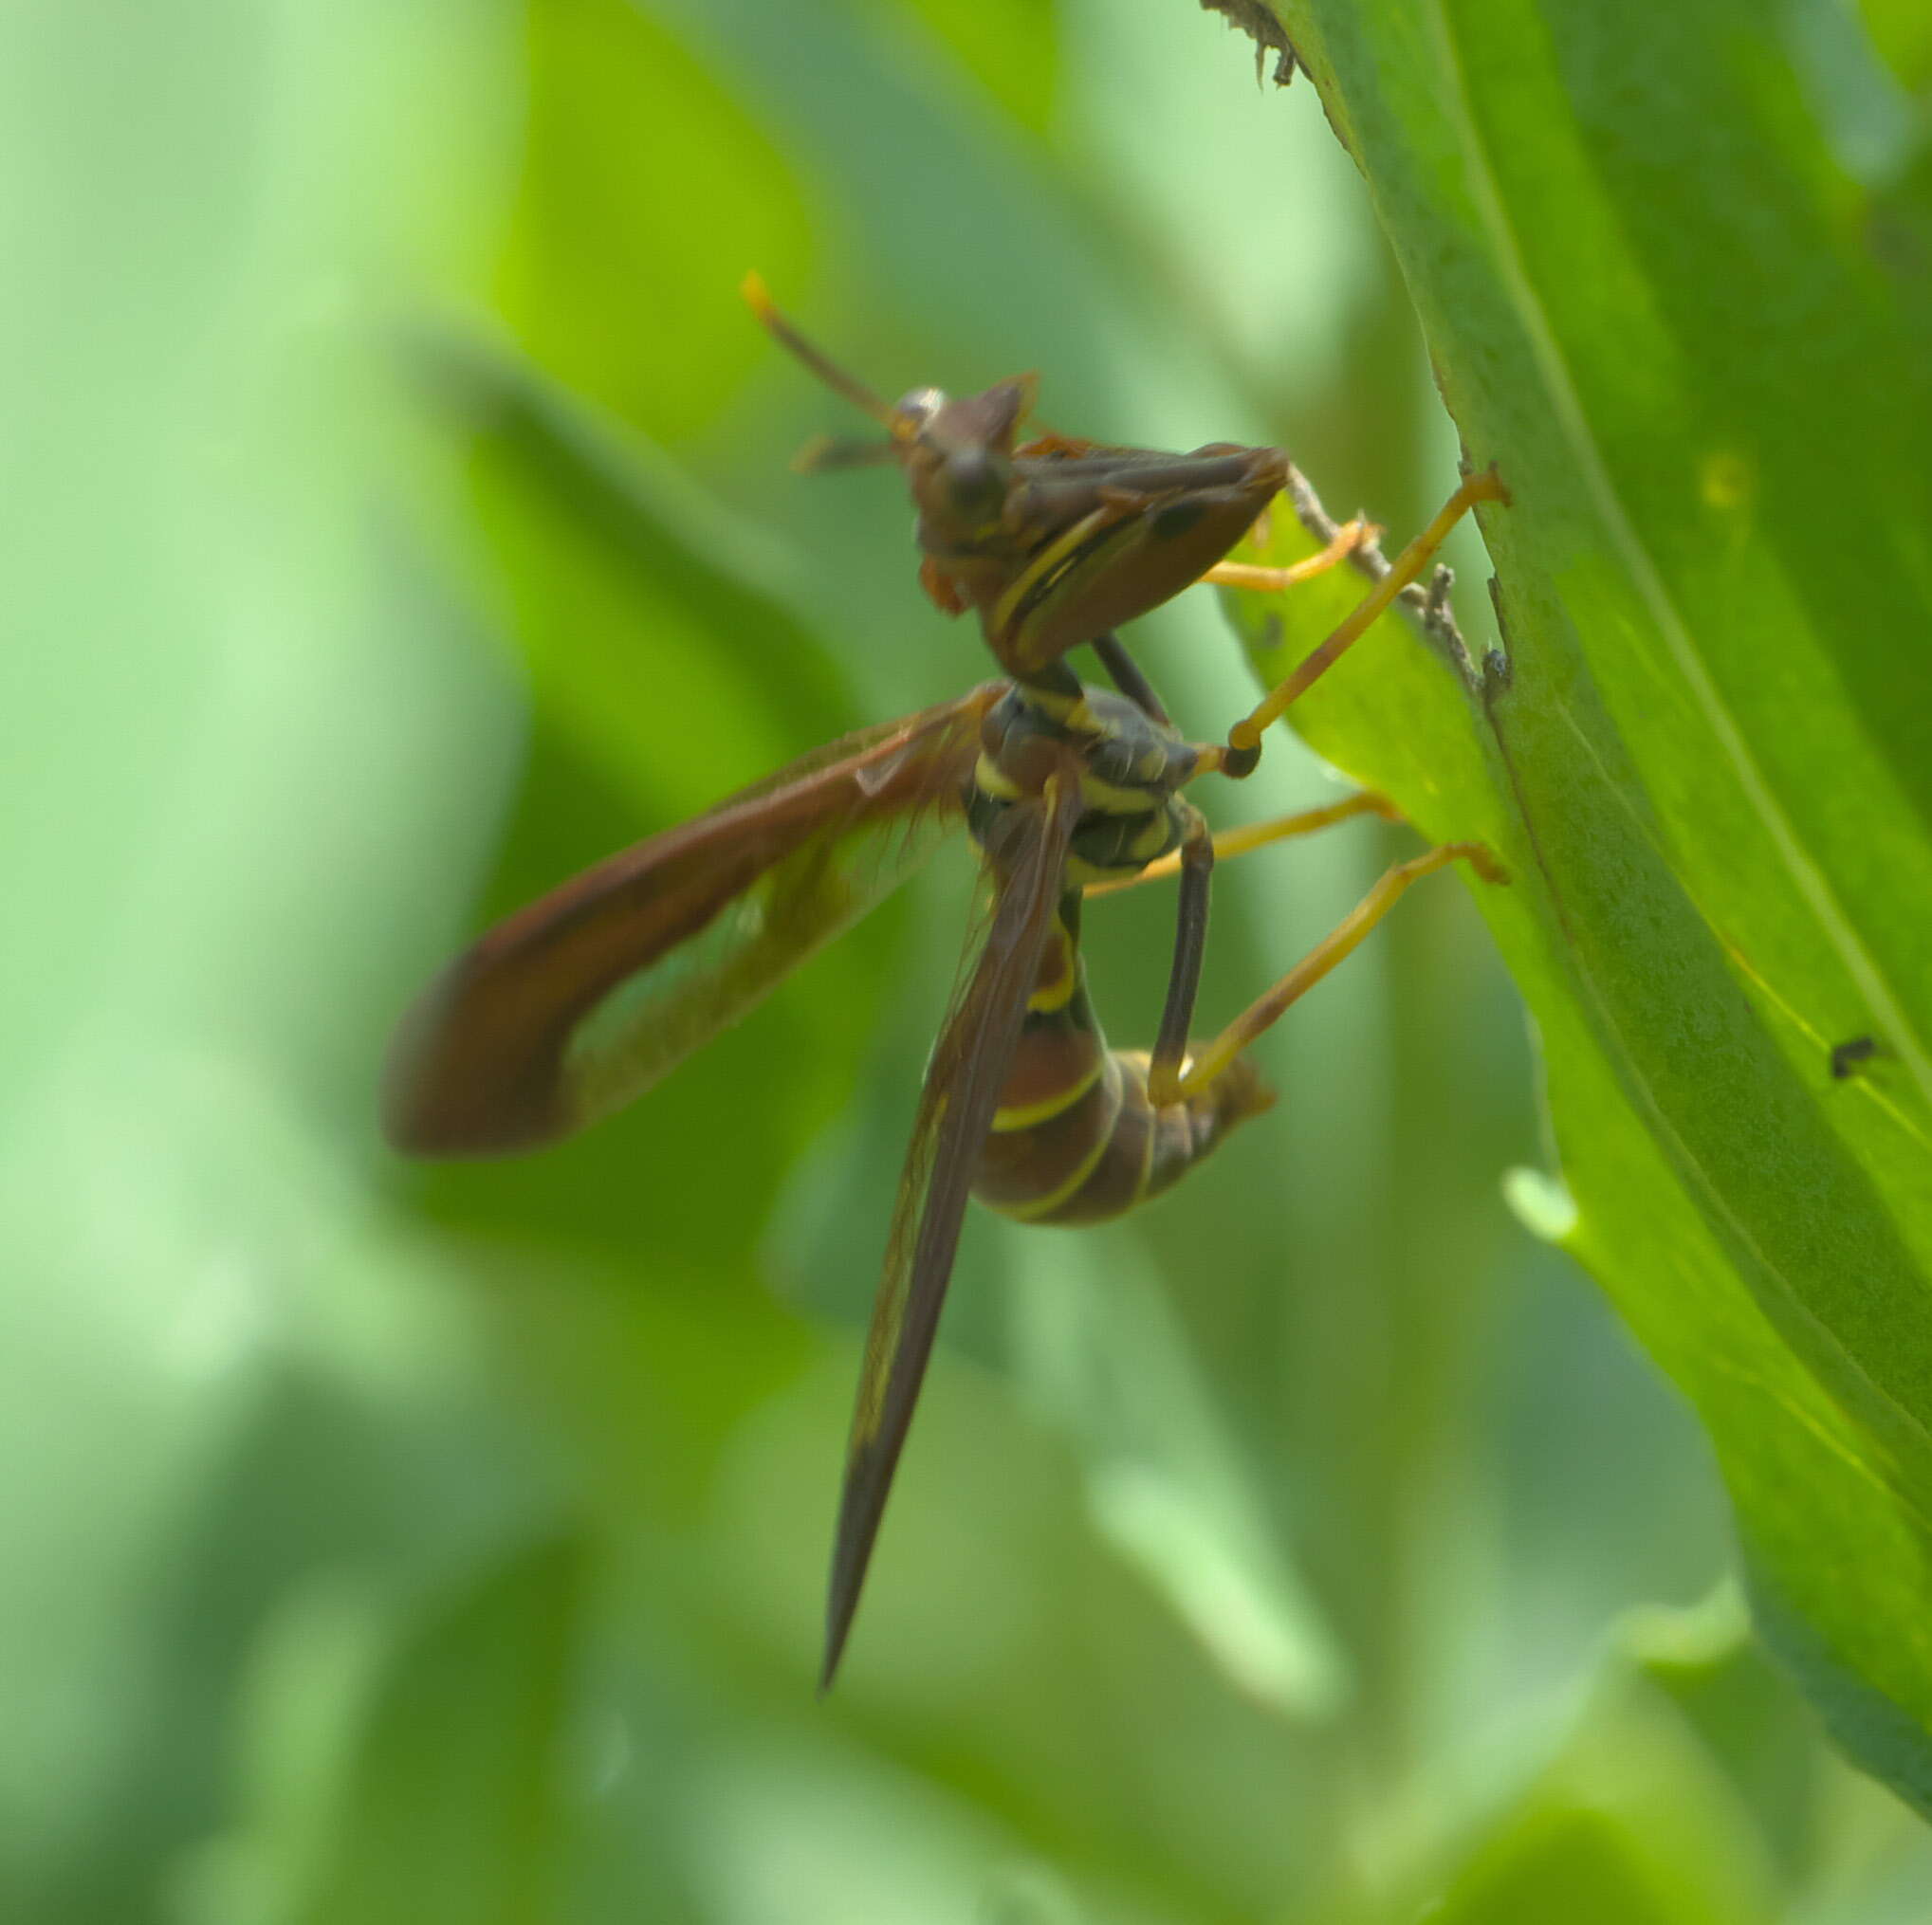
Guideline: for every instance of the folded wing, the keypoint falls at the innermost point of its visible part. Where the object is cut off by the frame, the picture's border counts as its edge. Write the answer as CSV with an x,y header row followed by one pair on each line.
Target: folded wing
x,y
956,1107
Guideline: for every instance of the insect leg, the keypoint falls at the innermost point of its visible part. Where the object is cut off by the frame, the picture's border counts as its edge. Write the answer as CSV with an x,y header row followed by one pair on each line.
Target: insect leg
x,y
1212,1059
1195,857
1244,749
1345,541
1260,835
1124,673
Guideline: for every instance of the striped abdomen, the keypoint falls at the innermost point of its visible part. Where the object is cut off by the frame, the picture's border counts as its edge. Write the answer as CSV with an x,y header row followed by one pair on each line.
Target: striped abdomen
x,y
1076,1139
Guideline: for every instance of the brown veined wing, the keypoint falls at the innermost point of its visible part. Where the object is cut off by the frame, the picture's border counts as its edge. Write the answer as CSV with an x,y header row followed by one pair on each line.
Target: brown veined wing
x,y
1027,862
583,1001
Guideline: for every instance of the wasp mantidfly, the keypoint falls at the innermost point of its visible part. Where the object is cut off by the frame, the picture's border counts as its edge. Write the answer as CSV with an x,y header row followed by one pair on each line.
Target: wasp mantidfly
x,y
584,1000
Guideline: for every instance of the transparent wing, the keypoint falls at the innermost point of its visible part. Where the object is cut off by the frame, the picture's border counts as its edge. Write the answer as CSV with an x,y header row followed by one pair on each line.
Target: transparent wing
x,y
585,998
963,1083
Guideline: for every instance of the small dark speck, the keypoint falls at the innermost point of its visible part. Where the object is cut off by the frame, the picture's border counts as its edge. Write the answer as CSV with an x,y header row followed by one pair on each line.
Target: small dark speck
x,y
1846,1056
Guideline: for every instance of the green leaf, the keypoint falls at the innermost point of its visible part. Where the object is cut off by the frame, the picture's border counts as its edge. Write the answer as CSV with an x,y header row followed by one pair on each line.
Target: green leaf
x,y
1103,1353
451,1804
1653,299
1630,1825
1902,35
605,251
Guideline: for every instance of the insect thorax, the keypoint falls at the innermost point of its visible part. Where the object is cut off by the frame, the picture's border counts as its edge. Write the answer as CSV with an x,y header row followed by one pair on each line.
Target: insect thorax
x,y
1132,771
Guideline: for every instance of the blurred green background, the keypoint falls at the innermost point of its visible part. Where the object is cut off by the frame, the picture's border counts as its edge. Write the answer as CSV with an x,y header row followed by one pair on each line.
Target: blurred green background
x,y
398,519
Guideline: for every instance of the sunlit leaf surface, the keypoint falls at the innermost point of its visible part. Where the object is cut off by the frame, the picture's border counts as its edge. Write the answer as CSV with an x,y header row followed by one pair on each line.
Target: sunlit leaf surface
x,y
1662,304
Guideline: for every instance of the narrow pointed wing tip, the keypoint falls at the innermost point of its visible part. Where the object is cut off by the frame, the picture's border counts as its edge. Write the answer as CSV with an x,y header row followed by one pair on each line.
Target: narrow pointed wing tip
x,y
828,1670
956,1107
851,1548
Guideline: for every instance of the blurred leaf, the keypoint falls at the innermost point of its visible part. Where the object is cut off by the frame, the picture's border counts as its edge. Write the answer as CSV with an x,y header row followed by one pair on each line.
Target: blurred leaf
x,y
1632,1823
644,193
1902,33
657,629
1104,1354
452,1808
1710,768
1568,1857
1746,1713
1008,46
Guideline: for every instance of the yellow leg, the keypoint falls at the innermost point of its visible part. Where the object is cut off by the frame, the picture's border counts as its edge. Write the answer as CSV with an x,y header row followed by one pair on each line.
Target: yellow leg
x,y
1260,835
1244,737
1347,538
1210,1061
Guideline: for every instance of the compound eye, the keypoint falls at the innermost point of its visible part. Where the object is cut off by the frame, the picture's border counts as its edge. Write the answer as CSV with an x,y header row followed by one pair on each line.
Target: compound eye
x,y
918,407
972,479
